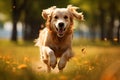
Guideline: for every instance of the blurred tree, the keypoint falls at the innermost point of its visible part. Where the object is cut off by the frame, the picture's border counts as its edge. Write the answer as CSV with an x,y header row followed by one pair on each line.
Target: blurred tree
x,y
17,8
118,34
4,11
113,10
90,11
111,24
14,19
102,13
31,19
118,31
102,20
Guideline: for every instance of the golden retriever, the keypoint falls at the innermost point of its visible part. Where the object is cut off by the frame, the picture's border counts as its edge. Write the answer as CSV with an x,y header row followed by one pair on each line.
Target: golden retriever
x,y
55,40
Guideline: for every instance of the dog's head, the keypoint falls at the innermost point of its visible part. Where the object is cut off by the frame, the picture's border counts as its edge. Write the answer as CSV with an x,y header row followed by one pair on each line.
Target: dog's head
x,y
60,20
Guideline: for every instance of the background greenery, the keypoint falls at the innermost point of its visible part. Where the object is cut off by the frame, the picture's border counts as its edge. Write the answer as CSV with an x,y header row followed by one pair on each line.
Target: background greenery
x,y
101,16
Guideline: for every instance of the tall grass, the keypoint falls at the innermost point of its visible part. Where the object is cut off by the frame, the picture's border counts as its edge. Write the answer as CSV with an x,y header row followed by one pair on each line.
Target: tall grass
x,y
21,61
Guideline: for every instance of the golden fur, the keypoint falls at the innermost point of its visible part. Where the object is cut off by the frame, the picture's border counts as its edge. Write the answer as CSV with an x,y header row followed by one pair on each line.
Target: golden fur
x,y
55,40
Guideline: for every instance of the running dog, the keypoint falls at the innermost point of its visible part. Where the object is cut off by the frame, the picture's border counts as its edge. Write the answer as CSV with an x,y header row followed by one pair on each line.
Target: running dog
x,y
55,40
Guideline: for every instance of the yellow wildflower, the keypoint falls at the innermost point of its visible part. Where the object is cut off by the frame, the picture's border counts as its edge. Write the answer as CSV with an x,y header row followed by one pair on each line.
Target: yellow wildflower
x,y
22,66
26,59
63,77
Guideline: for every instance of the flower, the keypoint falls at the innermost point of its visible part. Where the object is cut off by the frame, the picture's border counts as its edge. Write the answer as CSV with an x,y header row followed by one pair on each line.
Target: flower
x,y
22,66
90,68
26,59
62,77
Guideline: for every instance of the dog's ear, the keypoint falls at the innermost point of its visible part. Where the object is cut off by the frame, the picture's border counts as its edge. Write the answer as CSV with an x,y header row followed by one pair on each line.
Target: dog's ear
x,y
77,15
47,12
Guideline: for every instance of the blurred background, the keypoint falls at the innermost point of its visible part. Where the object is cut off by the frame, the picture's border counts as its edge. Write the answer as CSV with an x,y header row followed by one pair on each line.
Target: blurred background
x,y
96,41
21,19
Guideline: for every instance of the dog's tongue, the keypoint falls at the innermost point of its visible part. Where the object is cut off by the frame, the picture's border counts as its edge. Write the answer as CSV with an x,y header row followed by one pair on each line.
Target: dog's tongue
x,y
61,30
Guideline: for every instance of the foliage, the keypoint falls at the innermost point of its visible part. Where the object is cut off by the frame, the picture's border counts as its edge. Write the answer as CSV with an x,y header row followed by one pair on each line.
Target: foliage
x,y
5,10
102,14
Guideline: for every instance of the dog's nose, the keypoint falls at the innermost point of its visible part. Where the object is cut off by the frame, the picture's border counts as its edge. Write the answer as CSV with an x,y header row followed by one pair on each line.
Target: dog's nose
x,y
61,24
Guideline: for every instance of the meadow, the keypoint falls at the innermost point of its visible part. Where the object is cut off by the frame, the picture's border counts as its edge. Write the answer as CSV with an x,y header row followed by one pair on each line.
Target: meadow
x,y
92,61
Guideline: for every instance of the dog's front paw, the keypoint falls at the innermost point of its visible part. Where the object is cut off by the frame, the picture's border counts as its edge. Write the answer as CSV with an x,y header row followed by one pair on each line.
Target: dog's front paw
x,y
53,61
62,64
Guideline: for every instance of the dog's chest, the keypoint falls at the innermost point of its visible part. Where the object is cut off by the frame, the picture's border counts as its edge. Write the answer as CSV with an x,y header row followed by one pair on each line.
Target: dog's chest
x,y
59,49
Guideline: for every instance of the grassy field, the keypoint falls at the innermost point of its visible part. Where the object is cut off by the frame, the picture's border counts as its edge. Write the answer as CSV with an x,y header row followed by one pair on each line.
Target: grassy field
x,y
92,61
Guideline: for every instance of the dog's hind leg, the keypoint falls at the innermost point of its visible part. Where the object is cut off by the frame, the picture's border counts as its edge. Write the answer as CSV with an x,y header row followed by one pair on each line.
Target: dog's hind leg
x,y
47,64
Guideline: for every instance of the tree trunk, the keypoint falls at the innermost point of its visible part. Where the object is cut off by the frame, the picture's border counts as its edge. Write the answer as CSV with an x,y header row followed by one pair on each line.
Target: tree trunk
x,y
31,23
14,19
110,29
118,32
111,24
14,32
102,21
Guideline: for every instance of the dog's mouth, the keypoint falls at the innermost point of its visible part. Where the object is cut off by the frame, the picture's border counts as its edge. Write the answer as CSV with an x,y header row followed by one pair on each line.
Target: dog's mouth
x,y
60,31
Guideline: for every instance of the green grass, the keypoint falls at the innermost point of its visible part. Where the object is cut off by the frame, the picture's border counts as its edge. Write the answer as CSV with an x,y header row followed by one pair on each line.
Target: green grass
x,y
21,61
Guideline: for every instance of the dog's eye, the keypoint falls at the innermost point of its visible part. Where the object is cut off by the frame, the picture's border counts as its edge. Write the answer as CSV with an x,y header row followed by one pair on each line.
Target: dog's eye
x,y
65,17
56,17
